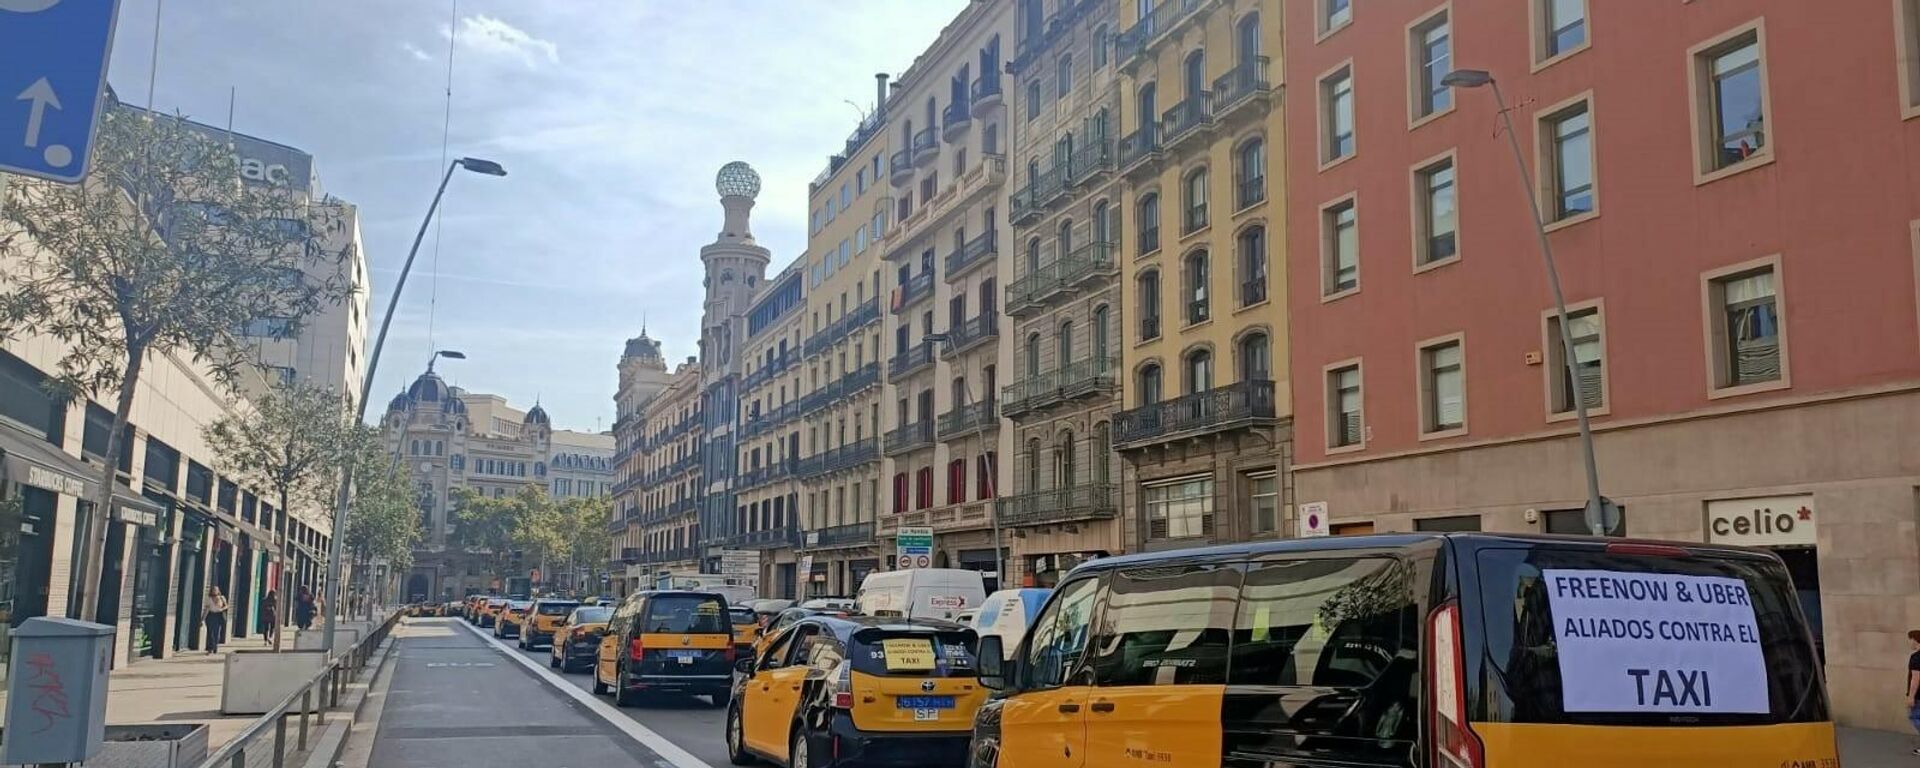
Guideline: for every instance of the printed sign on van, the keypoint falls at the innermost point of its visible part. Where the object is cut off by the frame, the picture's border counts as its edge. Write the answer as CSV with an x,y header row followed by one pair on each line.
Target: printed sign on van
x,y
1656,642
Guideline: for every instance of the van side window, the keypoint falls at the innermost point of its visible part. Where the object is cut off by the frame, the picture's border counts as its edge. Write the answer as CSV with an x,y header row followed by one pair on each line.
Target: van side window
x,y
1343,629
1166,626
776,654
1059,635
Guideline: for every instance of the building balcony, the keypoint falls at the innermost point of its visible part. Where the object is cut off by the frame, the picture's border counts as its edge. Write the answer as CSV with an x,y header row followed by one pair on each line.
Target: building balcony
x,y
852,535
970,334
766,538
926,147
1139,151
1051,185
780,364
986,177
916,357
986,94
1089,162
860,379
819,398
910,438
1187,121
669,555
1025,206
1083,264
972,417
1131,46
917,289
1241,88
900,168
630,555
955,120
1098,501
1029,395
839,459
1221,409
1033,291
685,506
1027,293
616,525
772,473
770,420
858,318
980,250
1089,376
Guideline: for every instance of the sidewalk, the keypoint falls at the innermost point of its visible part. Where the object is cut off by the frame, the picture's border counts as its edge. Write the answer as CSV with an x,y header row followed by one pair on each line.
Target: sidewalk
x,y
184,687
1862,748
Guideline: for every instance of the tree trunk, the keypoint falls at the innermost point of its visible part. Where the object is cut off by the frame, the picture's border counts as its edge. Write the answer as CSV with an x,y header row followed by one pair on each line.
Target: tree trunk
x,y
282,585
93,530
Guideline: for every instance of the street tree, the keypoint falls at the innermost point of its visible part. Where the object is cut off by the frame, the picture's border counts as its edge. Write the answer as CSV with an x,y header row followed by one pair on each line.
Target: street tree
x,y
485,525
384,523
162,250
588,540
290,443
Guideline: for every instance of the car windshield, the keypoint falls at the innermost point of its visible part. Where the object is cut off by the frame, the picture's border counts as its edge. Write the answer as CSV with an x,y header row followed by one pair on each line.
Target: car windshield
x,y
743,615
557,609
519,605
592,615
686,613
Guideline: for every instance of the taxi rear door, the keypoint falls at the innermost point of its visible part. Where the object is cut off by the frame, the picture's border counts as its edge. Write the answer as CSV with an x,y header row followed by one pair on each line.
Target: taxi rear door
x,y
774,693
1043,724
1159,663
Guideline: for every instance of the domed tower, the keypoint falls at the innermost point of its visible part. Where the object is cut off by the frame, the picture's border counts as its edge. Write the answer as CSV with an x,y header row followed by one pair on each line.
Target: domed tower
x,y
735,265
539,428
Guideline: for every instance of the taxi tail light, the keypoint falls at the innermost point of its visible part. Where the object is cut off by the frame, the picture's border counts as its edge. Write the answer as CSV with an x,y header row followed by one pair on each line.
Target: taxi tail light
x,y
729,653
1454,745
635,651
843,689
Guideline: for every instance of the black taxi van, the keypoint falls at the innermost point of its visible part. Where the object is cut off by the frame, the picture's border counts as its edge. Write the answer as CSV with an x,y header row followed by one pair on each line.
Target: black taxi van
x,y
857,692
667,641
1463,650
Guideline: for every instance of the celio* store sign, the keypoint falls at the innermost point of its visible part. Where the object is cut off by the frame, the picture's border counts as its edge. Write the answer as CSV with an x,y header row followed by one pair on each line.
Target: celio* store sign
x,y
1768,521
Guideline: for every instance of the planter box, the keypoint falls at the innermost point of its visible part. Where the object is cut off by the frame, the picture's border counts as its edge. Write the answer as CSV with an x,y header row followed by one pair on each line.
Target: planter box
x,y
255,681
310,640
175,745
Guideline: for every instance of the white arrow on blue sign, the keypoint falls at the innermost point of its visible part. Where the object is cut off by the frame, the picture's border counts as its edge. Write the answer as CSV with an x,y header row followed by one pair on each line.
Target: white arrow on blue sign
x,y
53,70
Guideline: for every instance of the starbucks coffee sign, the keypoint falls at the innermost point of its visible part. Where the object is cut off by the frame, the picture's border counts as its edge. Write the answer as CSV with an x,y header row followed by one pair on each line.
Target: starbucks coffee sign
x,y
1767,521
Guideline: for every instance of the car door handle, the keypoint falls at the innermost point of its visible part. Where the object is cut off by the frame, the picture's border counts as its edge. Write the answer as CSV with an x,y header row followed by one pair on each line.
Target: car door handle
x,y
1102,706
1069,707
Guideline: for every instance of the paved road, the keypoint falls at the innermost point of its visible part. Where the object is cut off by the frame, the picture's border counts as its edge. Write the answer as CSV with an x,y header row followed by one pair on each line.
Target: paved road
x,y
684,720
454,698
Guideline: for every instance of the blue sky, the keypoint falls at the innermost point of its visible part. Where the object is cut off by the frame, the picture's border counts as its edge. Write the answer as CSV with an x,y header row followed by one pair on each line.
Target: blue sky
x,y
611,117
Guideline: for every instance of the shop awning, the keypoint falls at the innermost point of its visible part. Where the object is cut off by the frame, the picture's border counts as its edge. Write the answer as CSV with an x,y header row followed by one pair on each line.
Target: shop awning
x,y
130,507
29,460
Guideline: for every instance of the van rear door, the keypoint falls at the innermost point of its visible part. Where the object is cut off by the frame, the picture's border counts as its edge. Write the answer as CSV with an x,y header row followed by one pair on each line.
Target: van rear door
x,y
1629,654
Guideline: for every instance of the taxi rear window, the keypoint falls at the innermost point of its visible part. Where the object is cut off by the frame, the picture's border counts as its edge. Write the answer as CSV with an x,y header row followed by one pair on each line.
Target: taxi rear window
x,y
743,615
594,615
913,654
1589,637
686,614
557,609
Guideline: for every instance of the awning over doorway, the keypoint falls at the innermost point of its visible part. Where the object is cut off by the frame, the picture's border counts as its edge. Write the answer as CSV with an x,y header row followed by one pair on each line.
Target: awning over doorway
x,y
28,460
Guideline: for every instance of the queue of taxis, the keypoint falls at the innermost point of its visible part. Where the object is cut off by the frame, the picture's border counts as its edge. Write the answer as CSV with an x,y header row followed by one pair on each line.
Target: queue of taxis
x,y
487,610
666,641
1463,650
542,620
857,691
577,640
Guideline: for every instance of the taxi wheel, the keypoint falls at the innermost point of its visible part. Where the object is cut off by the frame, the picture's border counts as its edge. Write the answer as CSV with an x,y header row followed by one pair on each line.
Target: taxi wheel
x,y
737,739
797,756
553,662
598,687
622,697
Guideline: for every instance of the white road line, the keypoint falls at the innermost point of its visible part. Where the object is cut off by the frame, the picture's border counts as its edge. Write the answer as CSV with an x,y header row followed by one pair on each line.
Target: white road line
x,y
667,750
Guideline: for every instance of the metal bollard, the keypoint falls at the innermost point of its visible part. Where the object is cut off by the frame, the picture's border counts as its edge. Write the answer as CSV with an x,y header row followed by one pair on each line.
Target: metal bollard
x,y
306,705
279,741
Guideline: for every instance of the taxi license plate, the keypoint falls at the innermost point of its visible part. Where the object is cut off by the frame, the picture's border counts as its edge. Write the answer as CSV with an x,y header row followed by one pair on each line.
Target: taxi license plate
x,y
924,703
684,657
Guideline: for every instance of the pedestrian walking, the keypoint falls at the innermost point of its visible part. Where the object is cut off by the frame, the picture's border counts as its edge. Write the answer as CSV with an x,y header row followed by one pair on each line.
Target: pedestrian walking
x,y
303,608
270,616
214,616
1913,681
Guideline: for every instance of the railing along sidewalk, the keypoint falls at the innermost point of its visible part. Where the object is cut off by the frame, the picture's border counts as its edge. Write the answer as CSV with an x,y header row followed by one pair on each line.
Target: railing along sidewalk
x,y
328,684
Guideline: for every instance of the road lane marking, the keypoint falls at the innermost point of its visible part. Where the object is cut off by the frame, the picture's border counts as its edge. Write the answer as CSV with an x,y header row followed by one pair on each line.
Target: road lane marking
x,y
667,750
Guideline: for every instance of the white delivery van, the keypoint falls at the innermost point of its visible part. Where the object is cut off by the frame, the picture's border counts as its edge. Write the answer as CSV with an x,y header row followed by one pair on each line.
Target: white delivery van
x,y
1008,612
921,593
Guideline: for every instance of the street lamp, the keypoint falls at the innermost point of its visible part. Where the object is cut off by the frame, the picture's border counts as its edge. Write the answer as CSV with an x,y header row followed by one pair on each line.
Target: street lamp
x,y
979,428
331,590
1600,512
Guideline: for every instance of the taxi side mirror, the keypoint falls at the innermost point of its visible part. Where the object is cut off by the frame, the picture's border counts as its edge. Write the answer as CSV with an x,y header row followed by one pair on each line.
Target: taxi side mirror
x,y
991,658
744,666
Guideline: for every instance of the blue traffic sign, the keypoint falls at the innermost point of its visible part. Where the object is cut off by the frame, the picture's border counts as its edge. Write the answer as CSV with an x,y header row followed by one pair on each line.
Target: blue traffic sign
x,y
53,70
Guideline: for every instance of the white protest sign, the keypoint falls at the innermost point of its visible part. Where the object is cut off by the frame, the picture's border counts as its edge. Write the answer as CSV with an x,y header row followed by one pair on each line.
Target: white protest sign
x,y
1656,642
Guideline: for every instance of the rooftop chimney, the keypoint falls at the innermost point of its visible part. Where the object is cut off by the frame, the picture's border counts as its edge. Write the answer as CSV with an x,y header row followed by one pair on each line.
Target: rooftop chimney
x,y
880,97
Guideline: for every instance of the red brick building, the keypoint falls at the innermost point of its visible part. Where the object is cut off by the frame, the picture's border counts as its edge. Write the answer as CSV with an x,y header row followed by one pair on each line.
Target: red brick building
x,y
1732,191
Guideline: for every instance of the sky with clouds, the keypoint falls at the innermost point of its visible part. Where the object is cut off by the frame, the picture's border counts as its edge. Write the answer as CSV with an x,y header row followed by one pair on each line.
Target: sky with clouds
x,y
611,116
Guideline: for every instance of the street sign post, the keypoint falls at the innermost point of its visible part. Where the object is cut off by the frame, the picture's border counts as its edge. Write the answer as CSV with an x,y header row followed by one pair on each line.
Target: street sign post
x,y
53,71
913,548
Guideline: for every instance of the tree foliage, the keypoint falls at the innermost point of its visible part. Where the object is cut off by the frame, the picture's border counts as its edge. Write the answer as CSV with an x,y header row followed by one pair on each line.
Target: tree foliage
x,y
382,522
558,533
290,444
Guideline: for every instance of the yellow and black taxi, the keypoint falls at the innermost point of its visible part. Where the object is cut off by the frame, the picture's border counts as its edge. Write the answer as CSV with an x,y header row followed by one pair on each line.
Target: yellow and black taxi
x,y
1458,650
861,691
746,629
577,641
470,608
489,611
779,622
511,618
666,641
545,617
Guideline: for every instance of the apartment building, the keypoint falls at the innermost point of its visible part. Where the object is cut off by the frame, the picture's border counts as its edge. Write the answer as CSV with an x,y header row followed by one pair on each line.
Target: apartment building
x,y
838,373
1726,188
942,325
672,483
643,376
1061,505
1206,432
768,489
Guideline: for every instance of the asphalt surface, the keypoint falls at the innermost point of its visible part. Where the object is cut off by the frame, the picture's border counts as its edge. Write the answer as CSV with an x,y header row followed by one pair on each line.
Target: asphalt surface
x,y
454,698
